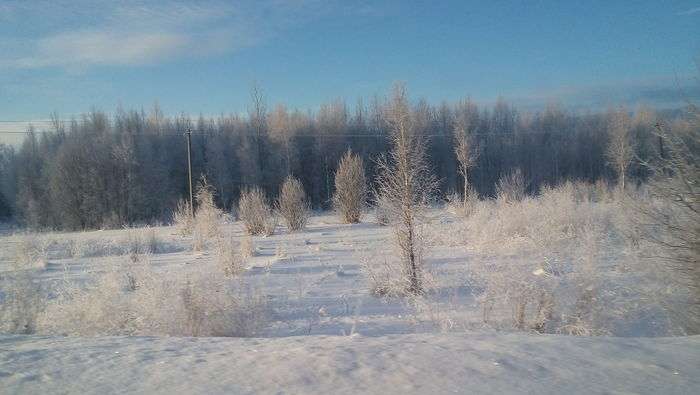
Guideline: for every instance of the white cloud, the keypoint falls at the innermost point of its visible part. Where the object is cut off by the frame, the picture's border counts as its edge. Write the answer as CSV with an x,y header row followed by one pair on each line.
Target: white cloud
x,y
137,33
690,11
100,47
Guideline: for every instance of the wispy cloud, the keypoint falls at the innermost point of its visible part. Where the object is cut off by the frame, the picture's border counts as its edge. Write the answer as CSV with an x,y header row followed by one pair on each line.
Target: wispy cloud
x,y
690,11
102,47
139,33
671,92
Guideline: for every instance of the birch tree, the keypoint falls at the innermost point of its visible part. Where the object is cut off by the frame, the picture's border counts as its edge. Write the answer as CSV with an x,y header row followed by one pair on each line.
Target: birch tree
x,y
620,150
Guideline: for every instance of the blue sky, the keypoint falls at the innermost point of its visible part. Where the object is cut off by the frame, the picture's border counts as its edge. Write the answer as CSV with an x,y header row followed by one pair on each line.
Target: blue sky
x,y
203,57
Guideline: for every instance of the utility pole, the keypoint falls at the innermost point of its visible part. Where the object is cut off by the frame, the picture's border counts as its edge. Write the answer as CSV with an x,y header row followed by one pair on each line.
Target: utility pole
x,y
188,133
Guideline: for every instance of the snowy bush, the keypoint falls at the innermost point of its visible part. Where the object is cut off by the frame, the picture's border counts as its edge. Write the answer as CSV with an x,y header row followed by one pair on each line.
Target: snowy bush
x,y
134,299
292,204
207,217
247,247
350,188
182,218
386,272
21,301
386,276
256,213
511,187
141,241
463,207
381,210
32,251
130,241
229,258
552,263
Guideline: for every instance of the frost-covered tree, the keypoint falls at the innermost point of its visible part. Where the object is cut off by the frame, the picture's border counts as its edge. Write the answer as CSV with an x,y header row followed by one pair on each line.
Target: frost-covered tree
x,y
350,188
620,150
109,171
465,144
671,219
406,185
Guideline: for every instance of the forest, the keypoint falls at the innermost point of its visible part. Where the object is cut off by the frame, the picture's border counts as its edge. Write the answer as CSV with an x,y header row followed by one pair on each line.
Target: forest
x,y
106,170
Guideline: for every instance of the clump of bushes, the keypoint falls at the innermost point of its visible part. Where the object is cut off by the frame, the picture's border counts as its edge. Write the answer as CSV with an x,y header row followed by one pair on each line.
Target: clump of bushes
x,y
134,299
548,263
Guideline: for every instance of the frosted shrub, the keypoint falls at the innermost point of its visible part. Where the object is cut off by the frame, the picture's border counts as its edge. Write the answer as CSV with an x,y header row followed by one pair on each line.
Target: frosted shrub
x,y
228,258
431,310
350,188
132,242
582,318
517,293
602,191
77,248
182,218
150,241
386,275
97,309
32,251
292,204
270,225
207,217
546,263
511,187
134,299
381,211
247,247
463,207
22,301
141,241
256,213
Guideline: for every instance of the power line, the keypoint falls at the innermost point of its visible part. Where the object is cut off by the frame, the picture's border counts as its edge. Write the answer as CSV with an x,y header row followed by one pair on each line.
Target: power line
x,y
319,135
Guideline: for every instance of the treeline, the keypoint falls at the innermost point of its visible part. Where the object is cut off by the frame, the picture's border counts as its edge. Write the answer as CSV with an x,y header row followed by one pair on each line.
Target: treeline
x,y
102,171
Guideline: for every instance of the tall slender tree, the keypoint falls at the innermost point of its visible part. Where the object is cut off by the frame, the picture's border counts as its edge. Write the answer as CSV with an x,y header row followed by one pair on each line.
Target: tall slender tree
x,y
620,150
406,185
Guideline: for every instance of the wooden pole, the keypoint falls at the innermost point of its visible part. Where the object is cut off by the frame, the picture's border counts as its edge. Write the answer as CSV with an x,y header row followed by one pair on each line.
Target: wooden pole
x,y
188,133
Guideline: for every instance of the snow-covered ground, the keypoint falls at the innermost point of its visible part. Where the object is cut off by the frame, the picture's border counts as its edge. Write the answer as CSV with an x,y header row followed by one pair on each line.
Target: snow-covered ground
x,y
485,363
325,332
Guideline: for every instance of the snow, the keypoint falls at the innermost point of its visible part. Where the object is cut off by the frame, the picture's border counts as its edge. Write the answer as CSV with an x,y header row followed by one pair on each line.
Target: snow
x,y
326,333
391,364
